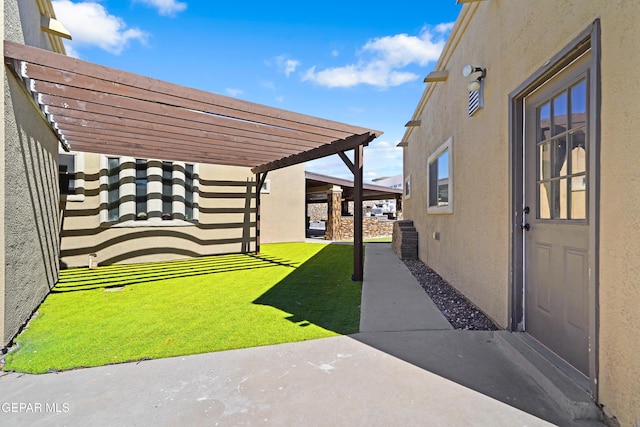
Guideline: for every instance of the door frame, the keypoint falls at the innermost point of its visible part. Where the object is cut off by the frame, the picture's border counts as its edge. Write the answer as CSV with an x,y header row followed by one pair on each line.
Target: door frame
x,y
588,39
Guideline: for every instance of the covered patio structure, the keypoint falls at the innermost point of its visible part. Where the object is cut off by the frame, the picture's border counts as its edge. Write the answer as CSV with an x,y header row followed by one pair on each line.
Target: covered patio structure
x,y
97,109
338,192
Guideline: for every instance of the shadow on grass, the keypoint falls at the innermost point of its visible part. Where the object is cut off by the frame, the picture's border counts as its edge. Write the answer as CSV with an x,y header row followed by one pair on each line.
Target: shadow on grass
x,y
320,292
117,276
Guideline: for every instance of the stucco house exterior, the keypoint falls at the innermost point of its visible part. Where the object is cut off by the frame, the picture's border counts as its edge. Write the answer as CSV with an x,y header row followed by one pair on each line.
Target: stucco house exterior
x,y
127,210
520,167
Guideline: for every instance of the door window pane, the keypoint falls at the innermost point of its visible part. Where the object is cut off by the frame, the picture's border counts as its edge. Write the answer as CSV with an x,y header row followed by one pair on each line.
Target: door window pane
x,y
562,199
579,197
544,122
560,114
579,104
560,157
578,153
545,162
544,198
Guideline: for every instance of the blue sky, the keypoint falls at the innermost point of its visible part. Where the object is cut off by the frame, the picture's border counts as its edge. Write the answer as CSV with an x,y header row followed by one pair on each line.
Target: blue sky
x,y
356,62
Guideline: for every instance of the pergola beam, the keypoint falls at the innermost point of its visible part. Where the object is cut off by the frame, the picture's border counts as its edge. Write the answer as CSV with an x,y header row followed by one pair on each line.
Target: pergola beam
x,y
336,147
347,161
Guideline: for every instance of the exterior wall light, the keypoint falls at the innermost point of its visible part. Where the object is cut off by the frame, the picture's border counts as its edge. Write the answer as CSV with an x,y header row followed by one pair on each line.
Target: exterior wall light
x,y
476,88
475,84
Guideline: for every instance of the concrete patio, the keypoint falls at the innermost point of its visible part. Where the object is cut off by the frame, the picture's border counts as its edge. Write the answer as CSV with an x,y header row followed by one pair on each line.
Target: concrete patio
x,y
407,366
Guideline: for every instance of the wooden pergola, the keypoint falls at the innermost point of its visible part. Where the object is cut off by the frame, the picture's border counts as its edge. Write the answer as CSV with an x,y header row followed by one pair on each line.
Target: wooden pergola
x,y
97,109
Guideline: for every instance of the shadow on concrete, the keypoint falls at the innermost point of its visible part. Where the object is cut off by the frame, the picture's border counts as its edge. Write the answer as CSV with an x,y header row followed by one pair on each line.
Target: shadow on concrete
x,y
397,320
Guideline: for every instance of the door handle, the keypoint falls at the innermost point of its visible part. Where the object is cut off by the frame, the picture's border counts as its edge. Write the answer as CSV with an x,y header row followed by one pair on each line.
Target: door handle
x,y
525,226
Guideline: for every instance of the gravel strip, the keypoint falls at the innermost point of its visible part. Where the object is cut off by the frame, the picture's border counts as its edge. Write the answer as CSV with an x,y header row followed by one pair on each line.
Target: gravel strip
x,y
459,311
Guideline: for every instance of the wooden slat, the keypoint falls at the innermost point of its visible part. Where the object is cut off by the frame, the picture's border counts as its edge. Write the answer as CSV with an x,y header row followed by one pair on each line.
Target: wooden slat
x,y
162,146
169,136
67,80
253,112
117,147
87,99
182,119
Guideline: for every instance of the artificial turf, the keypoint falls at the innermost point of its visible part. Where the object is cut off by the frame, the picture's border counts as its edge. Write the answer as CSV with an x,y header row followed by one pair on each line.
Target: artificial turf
x,y
290,292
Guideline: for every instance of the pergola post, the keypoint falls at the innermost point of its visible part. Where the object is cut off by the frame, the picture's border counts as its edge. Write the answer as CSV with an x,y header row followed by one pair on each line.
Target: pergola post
x,y
260,178
356,169
358,265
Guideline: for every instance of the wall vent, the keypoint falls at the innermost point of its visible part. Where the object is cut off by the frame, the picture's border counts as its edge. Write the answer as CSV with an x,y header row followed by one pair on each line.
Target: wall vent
x,y
476,100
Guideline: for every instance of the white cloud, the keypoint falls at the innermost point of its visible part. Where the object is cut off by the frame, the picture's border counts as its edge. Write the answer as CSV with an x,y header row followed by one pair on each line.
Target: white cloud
x,y
286,64
374,74
234,92
165,7
280,99
444,28
91,25
335,53
70,50
382,59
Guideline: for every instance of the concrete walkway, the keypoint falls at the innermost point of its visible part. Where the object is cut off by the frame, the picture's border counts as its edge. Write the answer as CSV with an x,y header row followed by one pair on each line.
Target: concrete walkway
x,y
407,367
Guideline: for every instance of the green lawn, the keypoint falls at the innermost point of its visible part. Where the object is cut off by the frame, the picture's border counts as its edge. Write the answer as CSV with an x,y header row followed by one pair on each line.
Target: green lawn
x,y
290,292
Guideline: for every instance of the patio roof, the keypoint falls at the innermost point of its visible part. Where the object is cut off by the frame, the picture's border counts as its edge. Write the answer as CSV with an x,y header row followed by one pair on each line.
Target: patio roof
x,y
98,109
318,184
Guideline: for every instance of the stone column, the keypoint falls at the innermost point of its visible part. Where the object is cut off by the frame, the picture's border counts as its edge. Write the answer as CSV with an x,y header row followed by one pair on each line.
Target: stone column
x,y
334,209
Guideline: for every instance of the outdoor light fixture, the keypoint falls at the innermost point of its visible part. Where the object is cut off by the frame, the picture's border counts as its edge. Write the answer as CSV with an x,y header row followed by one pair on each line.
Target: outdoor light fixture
x,y
402,144
413,123
476,88
475,84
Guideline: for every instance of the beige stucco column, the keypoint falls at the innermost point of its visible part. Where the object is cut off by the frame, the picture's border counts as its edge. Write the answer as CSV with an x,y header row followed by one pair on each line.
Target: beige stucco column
x,y
334,209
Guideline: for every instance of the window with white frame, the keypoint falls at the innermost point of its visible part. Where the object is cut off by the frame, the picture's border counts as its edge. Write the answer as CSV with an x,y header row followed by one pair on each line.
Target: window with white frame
x,y
142,192
407,187
71,169
440,179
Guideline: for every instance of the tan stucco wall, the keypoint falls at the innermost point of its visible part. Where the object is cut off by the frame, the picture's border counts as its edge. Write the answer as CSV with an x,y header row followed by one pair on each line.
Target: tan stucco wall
x,y
29,170
226,219
282,210
2,200
513,39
